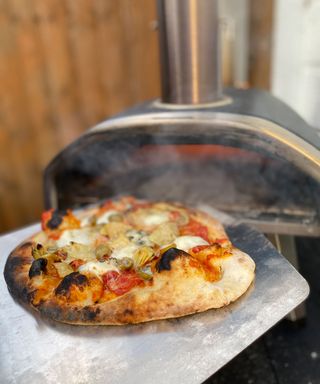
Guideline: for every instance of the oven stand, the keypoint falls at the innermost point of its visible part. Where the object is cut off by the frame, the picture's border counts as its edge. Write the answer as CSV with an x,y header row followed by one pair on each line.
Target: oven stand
x,y
286,245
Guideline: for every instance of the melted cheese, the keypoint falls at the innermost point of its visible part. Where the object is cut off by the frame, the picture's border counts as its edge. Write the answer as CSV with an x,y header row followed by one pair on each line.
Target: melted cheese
x,y
104,218
155,218
139,238
98,268
187,242
86,221
127,251
84,236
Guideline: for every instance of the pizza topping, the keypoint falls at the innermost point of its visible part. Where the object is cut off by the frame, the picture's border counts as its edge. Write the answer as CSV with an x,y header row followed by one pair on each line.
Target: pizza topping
x,y
53,249
98,268
38,251
103,251
107,216
84,236
37,267
167,257
114,229
139,237
125,263
187,242
180,217
88,221
154,217
116,217
127,251
145,273
76,251
205,253
75,264
73,278
194,228
198,249
165,233
142,256
148,218
117,243
52,254
121,283
55,219
63,269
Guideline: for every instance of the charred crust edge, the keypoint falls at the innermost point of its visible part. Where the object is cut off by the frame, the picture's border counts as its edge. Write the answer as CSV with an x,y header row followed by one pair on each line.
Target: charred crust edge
x,y
23,246
69,314
15,261
74,278
164,264
37,267
10,275
56,218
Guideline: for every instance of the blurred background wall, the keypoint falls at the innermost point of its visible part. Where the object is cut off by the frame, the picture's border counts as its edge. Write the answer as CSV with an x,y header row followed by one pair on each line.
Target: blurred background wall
x,y
67,64
296,56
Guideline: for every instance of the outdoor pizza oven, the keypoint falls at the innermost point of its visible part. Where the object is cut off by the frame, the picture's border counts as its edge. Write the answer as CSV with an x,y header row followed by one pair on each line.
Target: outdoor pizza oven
x,y
242,151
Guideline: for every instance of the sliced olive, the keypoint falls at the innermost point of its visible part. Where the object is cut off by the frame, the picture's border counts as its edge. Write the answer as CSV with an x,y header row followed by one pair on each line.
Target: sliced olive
x,y
125,263
145,273
37,267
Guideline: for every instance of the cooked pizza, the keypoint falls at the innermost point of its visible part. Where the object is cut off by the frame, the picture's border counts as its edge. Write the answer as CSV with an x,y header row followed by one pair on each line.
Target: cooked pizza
x,y
127,261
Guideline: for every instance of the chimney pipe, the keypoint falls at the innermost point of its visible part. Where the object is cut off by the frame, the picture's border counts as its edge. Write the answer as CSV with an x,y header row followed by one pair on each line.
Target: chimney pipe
x,y
189,51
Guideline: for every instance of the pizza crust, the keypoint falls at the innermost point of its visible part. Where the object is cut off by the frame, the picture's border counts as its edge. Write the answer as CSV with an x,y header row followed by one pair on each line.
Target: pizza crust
x,y
180,291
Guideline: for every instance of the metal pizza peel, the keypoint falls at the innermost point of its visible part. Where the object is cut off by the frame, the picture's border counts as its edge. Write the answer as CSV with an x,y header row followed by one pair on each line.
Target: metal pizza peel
x,y
185,350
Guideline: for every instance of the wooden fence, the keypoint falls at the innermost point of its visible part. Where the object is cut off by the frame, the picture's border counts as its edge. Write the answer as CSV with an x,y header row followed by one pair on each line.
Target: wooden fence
x,y
64,66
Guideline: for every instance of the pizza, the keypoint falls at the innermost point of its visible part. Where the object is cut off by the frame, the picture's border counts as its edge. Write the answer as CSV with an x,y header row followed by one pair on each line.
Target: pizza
x,y
127,261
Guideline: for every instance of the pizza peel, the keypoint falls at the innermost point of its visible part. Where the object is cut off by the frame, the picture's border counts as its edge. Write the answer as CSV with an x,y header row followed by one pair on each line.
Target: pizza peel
x,y
186,350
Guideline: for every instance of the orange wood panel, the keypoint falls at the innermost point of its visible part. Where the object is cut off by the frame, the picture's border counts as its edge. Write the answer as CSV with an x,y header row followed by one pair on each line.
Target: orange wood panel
x,y
16,159
64,66
261,18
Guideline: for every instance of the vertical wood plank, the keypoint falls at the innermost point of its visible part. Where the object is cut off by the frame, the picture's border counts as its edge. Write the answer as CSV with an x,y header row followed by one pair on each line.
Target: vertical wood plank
x,y
33,71
16,158
63,90
113,61
84,54
142,48
261,16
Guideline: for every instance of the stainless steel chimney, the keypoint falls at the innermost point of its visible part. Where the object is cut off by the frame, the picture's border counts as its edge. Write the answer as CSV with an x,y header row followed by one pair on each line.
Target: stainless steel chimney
x,y
189,51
